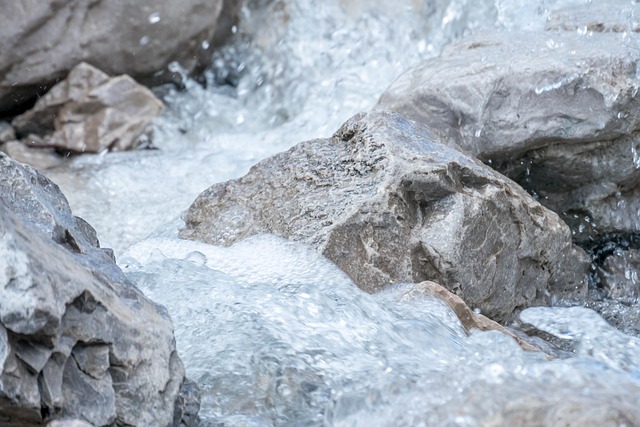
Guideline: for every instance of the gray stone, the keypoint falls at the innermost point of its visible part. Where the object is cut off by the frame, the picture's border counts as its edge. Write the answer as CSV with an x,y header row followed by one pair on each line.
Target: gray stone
x,y
6,132
41,40
78,339
40,157
69,423
557,112
620,274
387,204
91,112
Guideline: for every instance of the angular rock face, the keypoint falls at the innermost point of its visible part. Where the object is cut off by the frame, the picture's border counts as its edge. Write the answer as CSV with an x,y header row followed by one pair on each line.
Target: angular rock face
x,y
387,204
90,112
565,125
77,340
40,41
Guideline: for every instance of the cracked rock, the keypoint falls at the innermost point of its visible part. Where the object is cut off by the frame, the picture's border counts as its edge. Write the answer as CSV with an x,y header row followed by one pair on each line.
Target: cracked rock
x,y
77,339
387,204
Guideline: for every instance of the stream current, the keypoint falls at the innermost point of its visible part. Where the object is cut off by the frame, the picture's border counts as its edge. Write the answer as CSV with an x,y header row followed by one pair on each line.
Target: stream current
x,y
273,333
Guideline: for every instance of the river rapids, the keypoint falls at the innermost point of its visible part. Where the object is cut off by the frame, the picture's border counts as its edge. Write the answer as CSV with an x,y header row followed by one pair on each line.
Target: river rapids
x,y
273,333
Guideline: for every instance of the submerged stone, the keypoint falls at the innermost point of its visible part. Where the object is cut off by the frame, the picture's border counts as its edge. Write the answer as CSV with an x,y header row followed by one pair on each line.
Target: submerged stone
x,y
386,203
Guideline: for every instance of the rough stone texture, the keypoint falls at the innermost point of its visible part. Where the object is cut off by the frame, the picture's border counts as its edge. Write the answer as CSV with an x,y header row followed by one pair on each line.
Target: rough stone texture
x,y
41,40
90,112
77,339
619,274
386,204
557,112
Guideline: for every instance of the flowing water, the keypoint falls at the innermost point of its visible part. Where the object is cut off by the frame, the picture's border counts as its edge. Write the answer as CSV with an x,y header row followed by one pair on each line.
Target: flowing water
x,y
273,333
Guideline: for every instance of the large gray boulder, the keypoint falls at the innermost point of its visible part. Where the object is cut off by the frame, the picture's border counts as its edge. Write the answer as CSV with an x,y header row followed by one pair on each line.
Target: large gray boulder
x,y
77,339
558,112
41,40
387,204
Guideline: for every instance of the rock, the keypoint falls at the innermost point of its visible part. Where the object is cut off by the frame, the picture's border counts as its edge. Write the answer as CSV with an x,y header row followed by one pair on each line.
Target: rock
x,y
75,335
468,318
6,132
41,41
529,118
615,16
387,204
619,274
91,112
41,158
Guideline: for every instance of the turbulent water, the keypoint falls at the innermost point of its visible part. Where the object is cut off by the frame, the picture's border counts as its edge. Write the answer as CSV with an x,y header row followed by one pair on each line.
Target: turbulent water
x,y
273,333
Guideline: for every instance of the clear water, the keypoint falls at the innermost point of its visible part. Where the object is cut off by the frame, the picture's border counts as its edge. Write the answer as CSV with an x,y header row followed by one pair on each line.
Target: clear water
x,y
275,334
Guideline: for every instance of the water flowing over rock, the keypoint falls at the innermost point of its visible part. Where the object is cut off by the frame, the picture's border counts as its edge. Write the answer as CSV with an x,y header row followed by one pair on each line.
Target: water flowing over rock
x,y
619,273
77,339
90,112
278,335
615,16
40,41
565,125
387,204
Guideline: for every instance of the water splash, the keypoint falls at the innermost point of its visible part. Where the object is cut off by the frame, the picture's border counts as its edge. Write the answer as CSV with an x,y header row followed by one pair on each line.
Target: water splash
x,y
277,335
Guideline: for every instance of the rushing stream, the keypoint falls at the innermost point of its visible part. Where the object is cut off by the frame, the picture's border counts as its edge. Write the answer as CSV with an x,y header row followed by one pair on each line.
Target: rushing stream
x,y
273,333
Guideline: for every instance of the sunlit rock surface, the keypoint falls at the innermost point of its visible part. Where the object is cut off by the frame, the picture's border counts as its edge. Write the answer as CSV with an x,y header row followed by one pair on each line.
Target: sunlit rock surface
x,y
40,41
386,203
90,112
77,339
565,124
277,335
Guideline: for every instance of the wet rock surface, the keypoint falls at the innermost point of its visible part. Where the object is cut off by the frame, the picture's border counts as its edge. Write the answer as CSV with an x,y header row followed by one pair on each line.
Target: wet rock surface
x,y
90,112
619,274
40,41
77,339
386,204
565,126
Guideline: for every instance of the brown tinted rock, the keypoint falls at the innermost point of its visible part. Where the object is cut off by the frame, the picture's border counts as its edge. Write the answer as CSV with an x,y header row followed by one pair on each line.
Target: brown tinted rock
x,y
41,40
75,340
91,112
41,158
468,318
387,204
557,112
